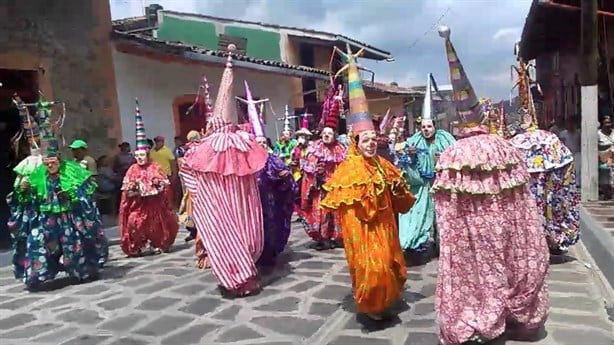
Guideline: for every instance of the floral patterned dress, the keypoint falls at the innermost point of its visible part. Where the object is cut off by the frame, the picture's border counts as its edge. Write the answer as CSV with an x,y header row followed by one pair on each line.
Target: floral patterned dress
x,y
553,184
493,256
56,226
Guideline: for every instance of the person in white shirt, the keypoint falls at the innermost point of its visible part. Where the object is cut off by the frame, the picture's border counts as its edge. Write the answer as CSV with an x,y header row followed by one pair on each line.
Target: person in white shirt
x,y
605,146
570,136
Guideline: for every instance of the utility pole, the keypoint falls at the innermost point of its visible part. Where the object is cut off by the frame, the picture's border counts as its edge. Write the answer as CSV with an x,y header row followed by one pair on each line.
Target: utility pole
x,y
589,95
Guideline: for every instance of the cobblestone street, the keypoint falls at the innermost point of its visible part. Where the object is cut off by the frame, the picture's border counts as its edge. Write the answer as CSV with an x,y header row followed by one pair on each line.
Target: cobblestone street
x,y
165,300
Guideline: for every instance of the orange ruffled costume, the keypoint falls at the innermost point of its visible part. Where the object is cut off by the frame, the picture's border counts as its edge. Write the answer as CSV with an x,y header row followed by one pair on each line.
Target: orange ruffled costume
x,y
368,194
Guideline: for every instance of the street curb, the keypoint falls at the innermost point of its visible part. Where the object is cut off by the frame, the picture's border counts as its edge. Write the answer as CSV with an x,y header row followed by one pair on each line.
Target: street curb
x,y
599,244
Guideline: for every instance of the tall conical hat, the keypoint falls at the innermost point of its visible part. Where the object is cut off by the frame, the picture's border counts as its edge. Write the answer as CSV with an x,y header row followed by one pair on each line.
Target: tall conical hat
x,y
222,107
386,122
252,113
304,125
336,107
465,99
359,117
139,125
427,107
50,145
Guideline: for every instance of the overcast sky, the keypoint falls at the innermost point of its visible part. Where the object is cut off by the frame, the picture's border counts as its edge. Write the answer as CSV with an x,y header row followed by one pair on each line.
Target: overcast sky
x,y
483,31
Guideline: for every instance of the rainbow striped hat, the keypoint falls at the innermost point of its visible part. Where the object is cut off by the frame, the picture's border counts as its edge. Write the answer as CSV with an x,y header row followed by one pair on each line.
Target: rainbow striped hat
x,y
465,99
141,138
359,117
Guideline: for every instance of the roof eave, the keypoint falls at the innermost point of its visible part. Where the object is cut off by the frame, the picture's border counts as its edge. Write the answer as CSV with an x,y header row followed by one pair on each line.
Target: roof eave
x,y
221,60
529,34
375,54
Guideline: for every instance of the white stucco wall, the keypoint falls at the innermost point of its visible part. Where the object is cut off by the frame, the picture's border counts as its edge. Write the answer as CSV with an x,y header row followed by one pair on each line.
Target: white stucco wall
x,y
157,84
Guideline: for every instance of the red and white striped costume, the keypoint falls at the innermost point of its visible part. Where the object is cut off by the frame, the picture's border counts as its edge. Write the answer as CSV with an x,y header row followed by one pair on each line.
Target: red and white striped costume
x,y
220,174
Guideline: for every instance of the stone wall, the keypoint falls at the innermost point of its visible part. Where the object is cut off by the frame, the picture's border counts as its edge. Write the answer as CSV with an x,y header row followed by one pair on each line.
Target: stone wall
x,y
68,43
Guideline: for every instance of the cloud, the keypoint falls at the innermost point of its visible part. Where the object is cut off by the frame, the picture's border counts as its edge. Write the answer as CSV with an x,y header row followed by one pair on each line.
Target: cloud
x,y
508,34
482,34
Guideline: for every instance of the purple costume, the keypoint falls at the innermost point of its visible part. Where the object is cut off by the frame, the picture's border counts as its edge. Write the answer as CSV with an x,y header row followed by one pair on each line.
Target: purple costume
x,y
277,194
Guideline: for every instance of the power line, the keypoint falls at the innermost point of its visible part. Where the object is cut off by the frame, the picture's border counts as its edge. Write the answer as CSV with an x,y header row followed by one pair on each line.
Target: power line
x,y
435,25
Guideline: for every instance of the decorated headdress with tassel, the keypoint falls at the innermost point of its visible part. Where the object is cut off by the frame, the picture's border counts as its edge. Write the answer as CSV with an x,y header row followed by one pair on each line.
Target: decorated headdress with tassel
x,y
359,117
328,101
50,144
336,108
29,126
523,83
252,114
222,107
141,139
465,99
304,125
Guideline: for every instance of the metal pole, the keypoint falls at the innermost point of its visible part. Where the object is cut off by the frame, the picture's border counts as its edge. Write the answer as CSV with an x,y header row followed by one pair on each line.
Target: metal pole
x,y
589,100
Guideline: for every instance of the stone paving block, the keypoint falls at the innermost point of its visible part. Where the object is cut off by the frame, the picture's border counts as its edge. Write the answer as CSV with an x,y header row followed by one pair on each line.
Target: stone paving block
x,y
116,303
314,265
19,303
573,320
85,339
122,323
580,303
157,303
353,340
81,316
421,338
164,325
93,290
130,341
191,290
58,302
289,325
202,306
304,286
284,304
323,309
29,331
333,292
138,281
238,333
15,320
229,313
428,290
155,287
192,335
560,287
176,272
565,336
420,323
567,276
424,308
55,337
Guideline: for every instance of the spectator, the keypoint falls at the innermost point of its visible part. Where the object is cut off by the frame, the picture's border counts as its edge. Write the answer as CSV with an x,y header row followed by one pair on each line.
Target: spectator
x,y
123,160
164,157
179,149
108,180
605,147
570,136
79,151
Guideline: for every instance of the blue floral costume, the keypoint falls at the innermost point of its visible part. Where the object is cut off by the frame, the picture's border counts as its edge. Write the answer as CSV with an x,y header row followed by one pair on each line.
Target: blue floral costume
x,y
56,226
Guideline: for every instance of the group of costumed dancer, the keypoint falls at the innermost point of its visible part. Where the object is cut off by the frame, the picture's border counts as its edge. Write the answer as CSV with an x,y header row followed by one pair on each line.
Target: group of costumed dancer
x,y
503,193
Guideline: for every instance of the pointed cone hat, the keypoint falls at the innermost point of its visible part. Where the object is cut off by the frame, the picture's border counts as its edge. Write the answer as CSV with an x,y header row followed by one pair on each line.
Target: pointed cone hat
x,y
252,113
50,145
207,99
359,117
304,126
385,123
287,120
465,99
427,107
139,125
222,107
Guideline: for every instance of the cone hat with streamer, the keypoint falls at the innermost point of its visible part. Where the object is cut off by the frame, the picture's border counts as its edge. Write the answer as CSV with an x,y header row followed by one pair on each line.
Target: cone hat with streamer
x,y
304,130
359,117
384,125
465,99
252,113
141,138
223,106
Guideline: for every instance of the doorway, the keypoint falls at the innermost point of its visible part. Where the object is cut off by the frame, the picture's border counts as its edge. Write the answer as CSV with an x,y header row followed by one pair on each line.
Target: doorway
x,y
25,84
194,120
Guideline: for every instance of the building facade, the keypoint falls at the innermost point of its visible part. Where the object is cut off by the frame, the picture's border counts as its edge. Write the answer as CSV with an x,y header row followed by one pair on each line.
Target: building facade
x,y
551,37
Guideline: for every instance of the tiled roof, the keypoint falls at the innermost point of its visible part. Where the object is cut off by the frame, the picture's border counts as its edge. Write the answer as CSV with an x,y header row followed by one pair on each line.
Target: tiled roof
x,y
383,53
135,31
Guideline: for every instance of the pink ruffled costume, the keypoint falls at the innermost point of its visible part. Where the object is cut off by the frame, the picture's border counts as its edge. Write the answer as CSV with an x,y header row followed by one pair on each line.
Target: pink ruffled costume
x,y
493,255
